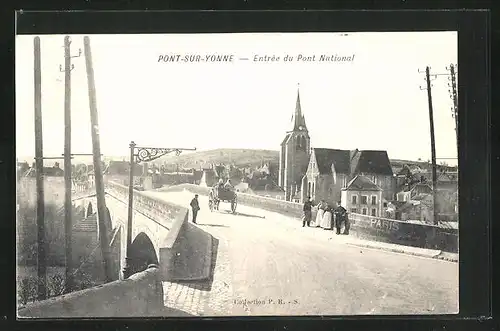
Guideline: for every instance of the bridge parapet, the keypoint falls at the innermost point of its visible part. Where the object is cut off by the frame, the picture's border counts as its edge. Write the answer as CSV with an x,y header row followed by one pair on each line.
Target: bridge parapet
x,y
405,232
138,296
267,203
150,206
368,227
184,250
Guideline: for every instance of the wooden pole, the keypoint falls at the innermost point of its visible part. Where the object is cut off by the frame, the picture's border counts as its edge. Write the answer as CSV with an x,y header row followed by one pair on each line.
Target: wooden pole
x,y
68,224
96,149
455,99
40,202
127,270
433,144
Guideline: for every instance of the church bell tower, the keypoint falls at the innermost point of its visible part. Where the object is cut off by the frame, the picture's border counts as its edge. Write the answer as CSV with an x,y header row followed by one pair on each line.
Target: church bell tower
x,y
294,154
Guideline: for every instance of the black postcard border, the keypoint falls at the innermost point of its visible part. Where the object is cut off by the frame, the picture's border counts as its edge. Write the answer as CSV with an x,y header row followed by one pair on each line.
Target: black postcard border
x,y
474,150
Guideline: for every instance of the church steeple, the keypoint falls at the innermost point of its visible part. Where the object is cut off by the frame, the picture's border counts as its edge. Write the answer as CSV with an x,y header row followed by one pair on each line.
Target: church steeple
x,y
294,156
298,119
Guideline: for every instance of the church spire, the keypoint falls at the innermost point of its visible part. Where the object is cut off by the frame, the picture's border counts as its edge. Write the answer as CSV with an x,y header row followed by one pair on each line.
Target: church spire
x,y
298,119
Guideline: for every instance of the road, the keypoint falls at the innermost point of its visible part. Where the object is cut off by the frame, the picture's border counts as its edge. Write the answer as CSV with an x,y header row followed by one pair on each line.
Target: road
x,y
268,264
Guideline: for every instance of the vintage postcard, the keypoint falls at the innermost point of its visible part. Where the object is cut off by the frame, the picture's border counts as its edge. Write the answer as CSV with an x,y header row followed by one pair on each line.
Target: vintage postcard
x,y
250,174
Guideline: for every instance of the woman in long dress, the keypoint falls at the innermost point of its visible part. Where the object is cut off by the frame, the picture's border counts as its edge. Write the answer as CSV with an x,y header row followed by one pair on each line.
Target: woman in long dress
x,y
326,224
320,213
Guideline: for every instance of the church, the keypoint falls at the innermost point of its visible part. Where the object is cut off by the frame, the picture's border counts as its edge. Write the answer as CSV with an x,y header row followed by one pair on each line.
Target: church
x,y
322,173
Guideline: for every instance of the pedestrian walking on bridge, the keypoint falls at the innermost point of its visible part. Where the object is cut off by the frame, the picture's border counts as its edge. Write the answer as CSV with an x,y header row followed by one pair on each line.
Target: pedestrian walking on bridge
x,y
195,207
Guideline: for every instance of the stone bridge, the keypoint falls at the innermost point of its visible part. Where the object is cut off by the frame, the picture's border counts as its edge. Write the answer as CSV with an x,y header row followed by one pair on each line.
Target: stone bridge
x,y
266,263
161,235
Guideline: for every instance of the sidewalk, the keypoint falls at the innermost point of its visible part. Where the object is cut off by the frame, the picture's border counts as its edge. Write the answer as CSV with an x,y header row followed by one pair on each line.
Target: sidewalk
x,y
352,240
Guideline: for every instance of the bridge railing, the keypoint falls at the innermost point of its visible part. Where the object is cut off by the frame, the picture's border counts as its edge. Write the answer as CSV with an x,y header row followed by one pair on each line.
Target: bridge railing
x,y
150,206
405,232
267,203
369,227
186,251
140,295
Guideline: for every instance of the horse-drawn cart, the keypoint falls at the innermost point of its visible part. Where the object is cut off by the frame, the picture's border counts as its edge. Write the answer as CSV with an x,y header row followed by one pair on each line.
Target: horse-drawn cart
x,y
218,194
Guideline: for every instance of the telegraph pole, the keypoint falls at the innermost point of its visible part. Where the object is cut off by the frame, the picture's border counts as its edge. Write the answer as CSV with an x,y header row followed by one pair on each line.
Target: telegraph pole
x,y
40,202
433,143
68,207
99,182
453,95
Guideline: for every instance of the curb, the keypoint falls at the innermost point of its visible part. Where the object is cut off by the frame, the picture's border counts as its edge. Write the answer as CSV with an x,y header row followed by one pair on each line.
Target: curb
x,y
437,256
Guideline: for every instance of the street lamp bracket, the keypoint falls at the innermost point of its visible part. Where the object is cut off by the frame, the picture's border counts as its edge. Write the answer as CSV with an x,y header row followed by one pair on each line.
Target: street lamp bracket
x,y
147,154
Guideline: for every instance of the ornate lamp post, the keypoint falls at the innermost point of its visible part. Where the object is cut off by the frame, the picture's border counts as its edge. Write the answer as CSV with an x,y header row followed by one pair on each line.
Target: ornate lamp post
x,y
144,154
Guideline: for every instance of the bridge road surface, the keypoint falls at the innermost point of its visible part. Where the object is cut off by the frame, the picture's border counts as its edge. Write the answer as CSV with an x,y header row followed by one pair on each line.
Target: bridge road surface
x,y
281,268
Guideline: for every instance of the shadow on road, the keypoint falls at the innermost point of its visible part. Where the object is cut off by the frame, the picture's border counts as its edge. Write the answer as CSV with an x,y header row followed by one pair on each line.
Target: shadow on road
x,y
249,215
214,225
171,312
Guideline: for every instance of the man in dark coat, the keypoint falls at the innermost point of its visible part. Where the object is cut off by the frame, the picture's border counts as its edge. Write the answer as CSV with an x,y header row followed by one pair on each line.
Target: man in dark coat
x,y
341,217
195,206
306,219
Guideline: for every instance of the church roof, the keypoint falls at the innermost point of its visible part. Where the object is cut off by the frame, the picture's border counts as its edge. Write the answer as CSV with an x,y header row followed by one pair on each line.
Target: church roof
x,y
374,162
325,157
352,162
362,183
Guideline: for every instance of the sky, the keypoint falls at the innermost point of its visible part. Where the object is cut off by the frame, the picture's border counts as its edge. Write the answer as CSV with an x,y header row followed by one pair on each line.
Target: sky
x,y
373,102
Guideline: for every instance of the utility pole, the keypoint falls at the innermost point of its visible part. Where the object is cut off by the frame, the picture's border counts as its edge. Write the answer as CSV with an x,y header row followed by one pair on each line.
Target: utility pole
x,y
433,143
68,207
40,202
453,95
453,92
96,149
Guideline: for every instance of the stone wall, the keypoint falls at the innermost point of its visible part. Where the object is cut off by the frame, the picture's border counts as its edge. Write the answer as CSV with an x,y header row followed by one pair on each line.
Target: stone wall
x,y
138,296
404,233
149,206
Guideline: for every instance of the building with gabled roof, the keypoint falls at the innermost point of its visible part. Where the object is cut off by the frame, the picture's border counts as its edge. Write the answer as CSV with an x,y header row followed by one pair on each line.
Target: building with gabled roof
x,y
362,196
331,170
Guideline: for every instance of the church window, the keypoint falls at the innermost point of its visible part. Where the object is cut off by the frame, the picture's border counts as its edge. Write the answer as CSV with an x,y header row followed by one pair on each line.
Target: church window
x,y
309,189
312,193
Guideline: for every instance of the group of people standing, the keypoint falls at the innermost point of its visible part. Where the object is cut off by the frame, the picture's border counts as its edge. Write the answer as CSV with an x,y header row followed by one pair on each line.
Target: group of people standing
x,y
327,217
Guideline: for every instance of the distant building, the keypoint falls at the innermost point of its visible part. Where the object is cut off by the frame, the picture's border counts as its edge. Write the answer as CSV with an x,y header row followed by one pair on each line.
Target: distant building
x,y
209,178
122,168
419,208
362,196
415,189
54,171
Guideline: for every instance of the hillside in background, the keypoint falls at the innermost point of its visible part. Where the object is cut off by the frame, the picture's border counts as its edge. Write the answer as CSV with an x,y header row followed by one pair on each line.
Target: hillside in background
x,y
238,157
